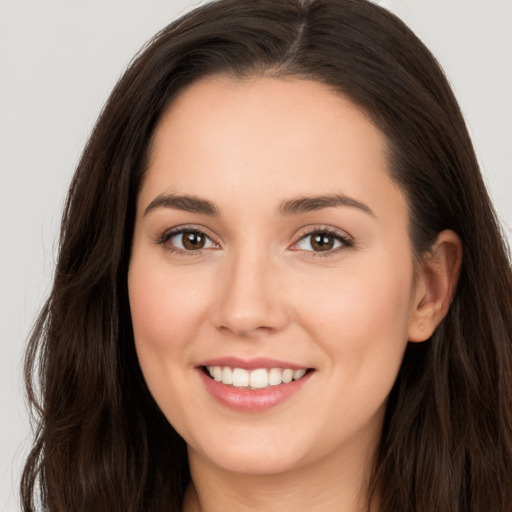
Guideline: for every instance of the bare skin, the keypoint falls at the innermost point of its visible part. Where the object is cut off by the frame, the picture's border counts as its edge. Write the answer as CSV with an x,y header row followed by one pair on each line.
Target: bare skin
x,y
227,261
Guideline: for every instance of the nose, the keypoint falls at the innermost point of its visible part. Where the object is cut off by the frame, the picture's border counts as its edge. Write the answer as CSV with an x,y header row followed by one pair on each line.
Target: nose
x,y
250,300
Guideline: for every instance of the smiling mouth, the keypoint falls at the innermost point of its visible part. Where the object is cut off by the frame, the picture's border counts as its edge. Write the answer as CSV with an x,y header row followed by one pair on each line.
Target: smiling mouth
x,y
259,378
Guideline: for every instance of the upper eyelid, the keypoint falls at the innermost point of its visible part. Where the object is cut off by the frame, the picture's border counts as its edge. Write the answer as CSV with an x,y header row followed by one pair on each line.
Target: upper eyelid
x,y
309,230
176,230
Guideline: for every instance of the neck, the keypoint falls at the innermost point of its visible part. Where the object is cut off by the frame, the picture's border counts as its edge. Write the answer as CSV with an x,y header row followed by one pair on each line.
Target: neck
x,y
322,485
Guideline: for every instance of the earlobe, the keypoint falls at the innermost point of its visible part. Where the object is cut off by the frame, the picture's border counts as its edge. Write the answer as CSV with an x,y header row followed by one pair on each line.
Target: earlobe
x,y
437,279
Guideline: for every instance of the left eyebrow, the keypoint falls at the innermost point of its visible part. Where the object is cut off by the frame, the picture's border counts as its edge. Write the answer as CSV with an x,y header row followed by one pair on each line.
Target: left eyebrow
x,y
312,203
186,203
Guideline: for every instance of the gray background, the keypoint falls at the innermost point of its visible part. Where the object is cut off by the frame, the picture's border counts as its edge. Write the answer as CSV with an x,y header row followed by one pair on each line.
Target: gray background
x,y
58,62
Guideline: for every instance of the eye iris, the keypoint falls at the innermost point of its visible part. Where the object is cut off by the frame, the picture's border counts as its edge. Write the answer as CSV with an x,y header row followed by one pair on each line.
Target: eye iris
x,y
192,240
322,242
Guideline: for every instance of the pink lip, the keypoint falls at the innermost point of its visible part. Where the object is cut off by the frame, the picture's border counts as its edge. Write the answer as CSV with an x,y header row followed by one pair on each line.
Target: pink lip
x,y
251,364
252,400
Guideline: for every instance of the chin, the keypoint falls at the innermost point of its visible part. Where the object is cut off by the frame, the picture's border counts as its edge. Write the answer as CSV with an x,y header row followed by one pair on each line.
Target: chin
x,y
259,456
254,463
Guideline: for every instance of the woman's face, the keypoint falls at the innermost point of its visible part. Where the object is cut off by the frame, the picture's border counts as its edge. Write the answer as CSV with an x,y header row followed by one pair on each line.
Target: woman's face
x,y
270,241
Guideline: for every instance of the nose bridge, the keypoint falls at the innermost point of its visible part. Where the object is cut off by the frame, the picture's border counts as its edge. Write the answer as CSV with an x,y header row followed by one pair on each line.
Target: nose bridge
x,y
249,299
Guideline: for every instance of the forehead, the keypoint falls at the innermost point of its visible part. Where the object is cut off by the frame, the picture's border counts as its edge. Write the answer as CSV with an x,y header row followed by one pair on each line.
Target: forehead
x,y
271,114
268,138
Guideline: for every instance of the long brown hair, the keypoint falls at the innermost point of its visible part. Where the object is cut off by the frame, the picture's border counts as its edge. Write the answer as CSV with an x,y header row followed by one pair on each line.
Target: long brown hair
x,y
101,443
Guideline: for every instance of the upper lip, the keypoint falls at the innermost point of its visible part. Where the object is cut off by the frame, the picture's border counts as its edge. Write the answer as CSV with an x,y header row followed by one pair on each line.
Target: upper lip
x,y
251,364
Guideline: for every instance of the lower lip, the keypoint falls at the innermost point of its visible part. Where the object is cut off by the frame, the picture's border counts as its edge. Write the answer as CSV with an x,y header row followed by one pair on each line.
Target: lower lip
x,y
252,400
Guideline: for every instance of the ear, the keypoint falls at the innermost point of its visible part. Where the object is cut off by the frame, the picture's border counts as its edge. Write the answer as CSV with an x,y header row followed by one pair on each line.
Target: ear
x,y
438,273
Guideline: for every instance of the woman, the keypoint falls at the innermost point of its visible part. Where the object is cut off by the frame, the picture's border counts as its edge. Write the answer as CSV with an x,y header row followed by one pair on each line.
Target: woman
x,y
281,282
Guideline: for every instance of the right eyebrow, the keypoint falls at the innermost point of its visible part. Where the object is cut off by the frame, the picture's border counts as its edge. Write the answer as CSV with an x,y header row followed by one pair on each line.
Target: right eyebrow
x,y
183,202
313,203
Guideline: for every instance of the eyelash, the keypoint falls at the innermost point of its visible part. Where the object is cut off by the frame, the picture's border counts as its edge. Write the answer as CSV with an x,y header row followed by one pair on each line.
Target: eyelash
x,y
345,241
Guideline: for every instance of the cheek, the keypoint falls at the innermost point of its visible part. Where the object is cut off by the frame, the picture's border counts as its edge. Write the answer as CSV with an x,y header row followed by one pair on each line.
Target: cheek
x,y
360,320
167,310
361,315
165,306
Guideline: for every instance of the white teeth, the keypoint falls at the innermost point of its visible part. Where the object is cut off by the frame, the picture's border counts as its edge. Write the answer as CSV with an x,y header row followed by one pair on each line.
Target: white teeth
x,y
258,379
254,379
297,374
274,376
240,377
287,375
217,373
227,375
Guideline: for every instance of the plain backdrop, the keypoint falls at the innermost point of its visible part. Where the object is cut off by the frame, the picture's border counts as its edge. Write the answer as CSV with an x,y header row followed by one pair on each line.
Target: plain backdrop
x,y
58,62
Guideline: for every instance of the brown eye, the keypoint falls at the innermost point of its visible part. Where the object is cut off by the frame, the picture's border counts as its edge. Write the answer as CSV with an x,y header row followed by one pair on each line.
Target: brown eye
x,y
189,240
322,242
192,240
